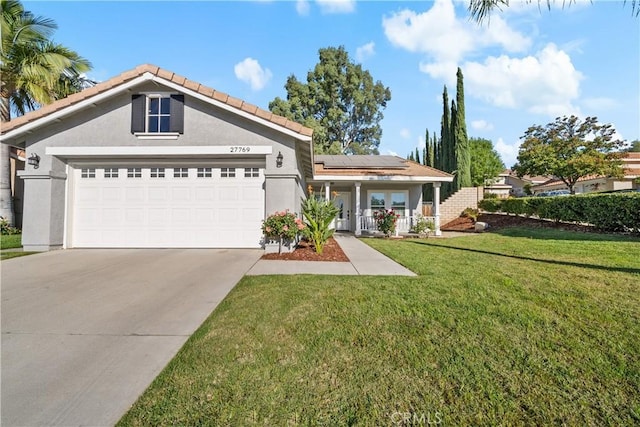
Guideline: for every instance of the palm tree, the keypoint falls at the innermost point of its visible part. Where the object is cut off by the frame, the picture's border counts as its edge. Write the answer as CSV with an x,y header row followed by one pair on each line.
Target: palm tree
x,y
481,10
34,71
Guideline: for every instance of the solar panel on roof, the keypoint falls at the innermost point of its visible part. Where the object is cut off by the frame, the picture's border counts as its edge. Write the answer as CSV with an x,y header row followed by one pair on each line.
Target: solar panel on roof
x,y
360,162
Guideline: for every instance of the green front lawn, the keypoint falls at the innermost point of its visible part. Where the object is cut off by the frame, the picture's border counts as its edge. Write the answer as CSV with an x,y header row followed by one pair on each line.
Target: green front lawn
x,y
525,327
12,241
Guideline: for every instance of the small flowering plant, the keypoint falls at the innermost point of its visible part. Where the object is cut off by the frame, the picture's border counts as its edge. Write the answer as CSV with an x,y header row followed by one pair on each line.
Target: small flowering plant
x,y
386,221
283,225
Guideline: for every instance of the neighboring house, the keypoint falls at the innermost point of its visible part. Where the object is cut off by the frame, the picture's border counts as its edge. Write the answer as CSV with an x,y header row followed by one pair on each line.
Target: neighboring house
x,y
151,159
508,184
598,183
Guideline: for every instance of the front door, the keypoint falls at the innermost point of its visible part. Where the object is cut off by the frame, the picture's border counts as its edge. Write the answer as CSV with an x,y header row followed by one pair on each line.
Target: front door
x,y
343,218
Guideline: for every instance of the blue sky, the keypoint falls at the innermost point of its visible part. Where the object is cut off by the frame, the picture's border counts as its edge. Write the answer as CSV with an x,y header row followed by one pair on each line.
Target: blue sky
x,y
526,67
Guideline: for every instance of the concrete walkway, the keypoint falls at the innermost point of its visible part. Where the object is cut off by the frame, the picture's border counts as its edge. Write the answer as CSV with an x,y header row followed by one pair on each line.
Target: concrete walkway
x,y
363,260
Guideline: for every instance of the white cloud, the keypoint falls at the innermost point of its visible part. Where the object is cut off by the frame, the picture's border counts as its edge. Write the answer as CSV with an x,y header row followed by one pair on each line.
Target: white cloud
x,y
302,7
390,153
250,71
405,133
365,51
337,6
481,125
508,152
546,83
445,39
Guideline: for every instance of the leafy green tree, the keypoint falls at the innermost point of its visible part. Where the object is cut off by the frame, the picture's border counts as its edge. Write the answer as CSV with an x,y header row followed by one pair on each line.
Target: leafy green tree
x,y
634,147
481,10
486,163
34,71
340,102
461,144
569,149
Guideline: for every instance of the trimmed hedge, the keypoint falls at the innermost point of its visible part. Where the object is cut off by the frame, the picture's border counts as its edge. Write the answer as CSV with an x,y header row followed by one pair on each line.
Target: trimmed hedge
x,y
607,212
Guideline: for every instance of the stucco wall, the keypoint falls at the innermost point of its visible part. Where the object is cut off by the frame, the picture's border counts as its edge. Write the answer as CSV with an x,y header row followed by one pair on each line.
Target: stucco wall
x,y
108,123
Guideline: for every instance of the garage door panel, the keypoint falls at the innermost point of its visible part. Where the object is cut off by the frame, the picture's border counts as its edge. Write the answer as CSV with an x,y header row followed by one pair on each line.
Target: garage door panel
x,y
134,194
188,211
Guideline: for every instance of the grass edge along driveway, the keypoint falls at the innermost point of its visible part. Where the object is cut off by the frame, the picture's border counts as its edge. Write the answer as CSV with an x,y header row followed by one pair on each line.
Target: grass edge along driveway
x,y
524,327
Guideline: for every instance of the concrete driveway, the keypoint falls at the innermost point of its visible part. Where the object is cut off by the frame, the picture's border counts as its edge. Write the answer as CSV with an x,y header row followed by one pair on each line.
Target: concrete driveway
x,y
84,332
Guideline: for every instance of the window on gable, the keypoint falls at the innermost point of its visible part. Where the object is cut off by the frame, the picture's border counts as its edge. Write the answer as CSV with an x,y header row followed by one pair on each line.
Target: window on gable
x,y
88,173
228,172
157,113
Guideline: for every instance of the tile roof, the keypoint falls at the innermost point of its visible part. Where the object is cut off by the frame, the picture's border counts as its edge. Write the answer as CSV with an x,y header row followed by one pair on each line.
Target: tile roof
x,y
410,168
163,74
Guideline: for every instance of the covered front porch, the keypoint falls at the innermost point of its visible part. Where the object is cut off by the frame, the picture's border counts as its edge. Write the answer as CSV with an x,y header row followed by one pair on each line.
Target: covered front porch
x,y
361,187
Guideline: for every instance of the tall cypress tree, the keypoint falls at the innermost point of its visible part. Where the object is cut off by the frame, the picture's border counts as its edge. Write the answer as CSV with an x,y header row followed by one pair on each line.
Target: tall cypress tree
x,y
462,149
417,159
452,148
444,131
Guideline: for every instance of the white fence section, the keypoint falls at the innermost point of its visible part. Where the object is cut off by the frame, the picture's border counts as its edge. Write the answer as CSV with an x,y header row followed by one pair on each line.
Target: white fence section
x,y
403,225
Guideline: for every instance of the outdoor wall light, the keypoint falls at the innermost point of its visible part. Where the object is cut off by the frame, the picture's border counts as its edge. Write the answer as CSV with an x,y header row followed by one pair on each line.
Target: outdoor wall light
x,y
34,160
279,159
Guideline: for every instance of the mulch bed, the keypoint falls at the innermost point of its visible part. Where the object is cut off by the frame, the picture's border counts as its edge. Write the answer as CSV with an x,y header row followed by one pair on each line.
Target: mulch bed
x,y
306,252
499,221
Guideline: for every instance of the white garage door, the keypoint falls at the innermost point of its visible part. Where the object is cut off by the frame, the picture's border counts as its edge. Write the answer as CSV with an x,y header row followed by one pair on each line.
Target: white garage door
x,y
162,207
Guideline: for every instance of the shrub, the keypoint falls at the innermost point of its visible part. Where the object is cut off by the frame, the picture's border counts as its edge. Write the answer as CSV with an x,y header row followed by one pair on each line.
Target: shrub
x,y
282,226
490,205
6,229
423,226
318,213
386,221
470,213
490,196
607,212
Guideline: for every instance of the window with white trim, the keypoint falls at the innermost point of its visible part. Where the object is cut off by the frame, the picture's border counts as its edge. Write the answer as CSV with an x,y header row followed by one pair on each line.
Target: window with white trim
x,y
111,172
134,172
228,172
205,172
158,114
251,172
397,201
180,172
157,172
88,173
376,201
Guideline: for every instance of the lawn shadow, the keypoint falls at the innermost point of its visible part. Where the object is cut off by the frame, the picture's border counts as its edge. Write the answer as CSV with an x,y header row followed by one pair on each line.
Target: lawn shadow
x,y
547,261
559,234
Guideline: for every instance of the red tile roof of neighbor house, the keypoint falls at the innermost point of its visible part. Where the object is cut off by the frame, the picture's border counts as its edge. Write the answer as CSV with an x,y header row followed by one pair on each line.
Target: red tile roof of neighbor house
x,y
409,167
163,74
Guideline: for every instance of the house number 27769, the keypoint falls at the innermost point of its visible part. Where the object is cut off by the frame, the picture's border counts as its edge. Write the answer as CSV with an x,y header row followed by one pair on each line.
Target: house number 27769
x,y
239,149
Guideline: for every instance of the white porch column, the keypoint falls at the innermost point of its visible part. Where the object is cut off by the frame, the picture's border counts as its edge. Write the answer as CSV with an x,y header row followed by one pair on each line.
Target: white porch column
x,y
357,209
327,196
436,207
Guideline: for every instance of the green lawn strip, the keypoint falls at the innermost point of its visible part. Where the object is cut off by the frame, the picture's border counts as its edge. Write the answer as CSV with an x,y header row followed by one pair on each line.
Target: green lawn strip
x,y
9,255
11,241
479,338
